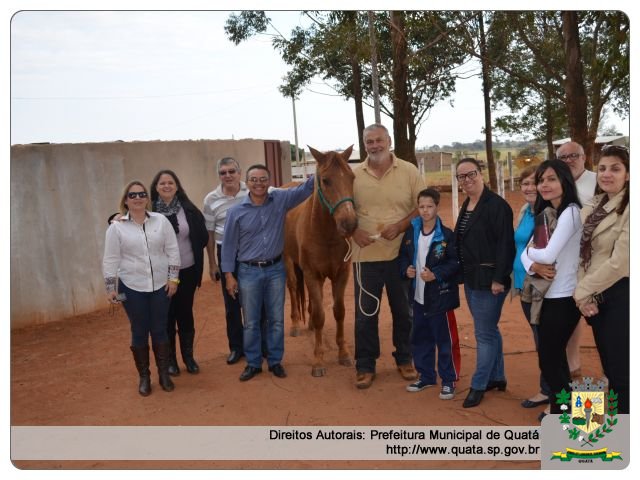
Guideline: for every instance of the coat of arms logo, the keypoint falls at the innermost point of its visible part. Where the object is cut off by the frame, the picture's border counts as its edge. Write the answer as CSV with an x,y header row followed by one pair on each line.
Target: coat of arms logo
x,y
588,415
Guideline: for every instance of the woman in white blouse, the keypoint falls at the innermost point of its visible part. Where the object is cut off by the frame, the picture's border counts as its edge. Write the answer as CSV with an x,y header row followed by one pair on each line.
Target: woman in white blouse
x,y
559,314
140,266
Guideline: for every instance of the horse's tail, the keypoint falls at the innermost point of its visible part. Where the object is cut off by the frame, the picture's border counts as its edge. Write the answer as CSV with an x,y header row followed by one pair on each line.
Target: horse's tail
x,y
300,292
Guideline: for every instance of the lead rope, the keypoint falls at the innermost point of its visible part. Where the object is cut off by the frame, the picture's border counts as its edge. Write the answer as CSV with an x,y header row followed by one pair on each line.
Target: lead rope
x,y
359,280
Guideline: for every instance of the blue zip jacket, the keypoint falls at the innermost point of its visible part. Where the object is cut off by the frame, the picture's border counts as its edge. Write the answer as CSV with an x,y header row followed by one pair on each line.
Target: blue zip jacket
x,y
441,294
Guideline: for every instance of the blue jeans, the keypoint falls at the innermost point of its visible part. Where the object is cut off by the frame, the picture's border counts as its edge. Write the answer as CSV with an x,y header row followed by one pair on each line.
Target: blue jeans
x,y
148,313
375,276
262,286
486,309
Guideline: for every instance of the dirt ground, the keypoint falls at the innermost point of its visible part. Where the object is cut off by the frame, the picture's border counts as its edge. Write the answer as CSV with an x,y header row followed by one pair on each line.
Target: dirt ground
x,y
80,372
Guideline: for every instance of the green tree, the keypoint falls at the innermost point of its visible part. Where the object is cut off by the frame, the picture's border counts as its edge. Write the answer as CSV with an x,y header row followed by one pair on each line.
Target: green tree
x,y
579,60
336,47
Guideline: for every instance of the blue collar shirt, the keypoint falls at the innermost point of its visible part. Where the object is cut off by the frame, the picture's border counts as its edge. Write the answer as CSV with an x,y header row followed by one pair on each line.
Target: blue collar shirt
x,y
256,232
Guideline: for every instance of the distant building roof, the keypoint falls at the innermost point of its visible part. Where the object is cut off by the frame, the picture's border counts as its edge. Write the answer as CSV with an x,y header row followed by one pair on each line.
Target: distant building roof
x,y
599,140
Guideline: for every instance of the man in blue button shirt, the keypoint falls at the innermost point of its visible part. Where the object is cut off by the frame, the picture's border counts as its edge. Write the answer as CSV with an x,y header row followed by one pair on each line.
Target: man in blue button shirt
x,y
254,234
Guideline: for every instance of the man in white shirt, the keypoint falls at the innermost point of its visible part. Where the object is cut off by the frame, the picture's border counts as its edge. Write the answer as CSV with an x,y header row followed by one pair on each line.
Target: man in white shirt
x,y
229,192
573,155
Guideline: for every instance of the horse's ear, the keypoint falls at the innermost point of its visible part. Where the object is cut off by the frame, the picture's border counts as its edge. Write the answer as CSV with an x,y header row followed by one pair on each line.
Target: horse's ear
x,y
347,153
319,156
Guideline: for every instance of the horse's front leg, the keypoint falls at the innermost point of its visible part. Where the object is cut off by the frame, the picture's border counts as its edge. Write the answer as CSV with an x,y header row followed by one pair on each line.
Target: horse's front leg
x,y
338,286
314,289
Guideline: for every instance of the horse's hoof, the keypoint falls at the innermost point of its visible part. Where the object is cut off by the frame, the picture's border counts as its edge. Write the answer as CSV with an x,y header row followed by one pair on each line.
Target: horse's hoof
x,y
318,371
294,332
347,362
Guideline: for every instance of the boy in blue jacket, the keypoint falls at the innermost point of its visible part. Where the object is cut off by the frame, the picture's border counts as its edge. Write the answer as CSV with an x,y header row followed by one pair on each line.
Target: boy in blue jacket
x,y
428,256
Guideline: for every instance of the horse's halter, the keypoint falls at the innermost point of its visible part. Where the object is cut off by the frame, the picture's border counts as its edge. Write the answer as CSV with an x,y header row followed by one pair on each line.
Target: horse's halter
x,y
325,202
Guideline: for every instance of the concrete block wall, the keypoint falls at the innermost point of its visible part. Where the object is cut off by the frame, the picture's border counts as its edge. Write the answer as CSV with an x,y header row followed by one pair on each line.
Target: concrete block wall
x,y
61,196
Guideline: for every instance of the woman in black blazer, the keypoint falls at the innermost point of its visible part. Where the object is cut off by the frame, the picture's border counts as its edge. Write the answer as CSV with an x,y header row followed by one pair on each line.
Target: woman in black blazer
x,y
169,198
486,249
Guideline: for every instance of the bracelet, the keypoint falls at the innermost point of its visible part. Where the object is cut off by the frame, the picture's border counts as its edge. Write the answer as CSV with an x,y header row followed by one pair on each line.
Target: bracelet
x,y
175,280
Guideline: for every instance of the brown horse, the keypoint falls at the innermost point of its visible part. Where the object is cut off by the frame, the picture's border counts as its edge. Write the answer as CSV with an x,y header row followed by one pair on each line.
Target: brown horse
x,y
315,248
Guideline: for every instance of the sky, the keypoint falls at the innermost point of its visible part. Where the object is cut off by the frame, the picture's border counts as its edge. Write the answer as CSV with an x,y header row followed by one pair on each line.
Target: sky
x,y
81,76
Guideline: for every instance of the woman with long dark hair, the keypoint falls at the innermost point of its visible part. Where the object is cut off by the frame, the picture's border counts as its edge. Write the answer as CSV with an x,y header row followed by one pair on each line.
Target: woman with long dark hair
x,y
169,198
602,293
558,315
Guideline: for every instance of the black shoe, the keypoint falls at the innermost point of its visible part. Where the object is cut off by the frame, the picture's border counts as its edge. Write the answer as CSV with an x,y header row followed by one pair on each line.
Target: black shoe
x,y
173,368
473,398
542,415
532,404
234,357
192,366
497,384
278,370
249,372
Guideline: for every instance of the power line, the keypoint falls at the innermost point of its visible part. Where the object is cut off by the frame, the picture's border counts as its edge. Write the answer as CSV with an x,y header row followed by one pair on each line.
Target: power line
x,y
142,97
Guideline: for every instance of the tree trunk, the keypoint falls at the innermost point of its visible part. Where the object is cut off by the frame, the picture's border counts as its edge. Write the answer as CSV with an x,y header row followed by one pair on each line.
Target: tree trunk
x,y
574,86
486,91
401,107
356,70
357,96
550,126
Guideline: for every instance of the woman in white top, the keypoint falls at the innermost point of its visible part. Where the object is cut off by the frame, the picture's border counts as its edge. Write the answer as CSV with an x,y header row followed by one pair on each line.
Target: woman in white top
x,y
140,266
559,314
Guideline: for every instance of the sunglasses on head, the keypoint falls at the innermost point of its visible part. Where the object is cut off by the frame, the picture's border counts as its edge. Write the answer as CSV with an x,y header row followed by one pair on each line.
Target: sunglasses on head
x,y
133,195
614,149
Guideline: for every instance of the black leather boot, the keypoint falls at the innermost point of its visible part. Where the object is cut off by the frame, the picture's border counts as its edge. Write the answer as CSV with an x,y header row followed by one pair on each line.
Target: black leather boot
x,y
186,349
162,353
174,369
474,397
141,357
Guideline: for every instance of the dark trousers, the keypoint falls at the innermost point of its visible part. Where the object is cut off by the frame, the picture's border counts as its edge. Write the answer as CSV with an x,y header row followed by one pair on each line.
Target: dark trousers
x,y
181,306
375,276
558,320
526,309
611,333
433,331
147,312
232,310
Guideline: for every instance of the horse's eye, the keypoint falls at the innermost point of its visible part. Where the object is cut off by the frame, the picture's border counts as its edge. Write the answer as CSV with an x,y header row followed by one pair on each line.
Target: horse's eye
x,y
326,182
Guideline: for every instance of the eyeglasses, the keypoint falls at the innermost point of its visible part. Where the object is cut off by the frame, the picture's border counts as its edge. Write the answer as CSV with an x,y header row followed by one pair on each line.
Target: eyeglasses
x,y
569,156
258,179
231,171
133,195
467,176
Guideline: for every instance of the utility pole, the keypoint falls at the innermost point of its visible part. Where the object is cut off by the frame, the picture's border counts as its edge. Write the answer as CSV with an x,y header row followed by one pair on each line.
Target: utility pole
x,y
295,134
374,68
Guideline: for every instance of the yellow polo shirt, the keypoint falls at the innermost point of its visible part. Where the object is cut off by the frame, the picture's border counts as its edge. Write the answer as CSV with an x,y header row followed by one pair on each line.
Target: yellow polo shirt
x,y
383,201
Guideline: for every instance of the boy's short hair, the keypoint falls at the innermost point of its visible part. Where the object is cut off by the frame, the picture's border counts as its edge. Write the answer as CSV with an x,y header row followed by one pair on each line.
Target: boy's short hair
x,y
430,193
